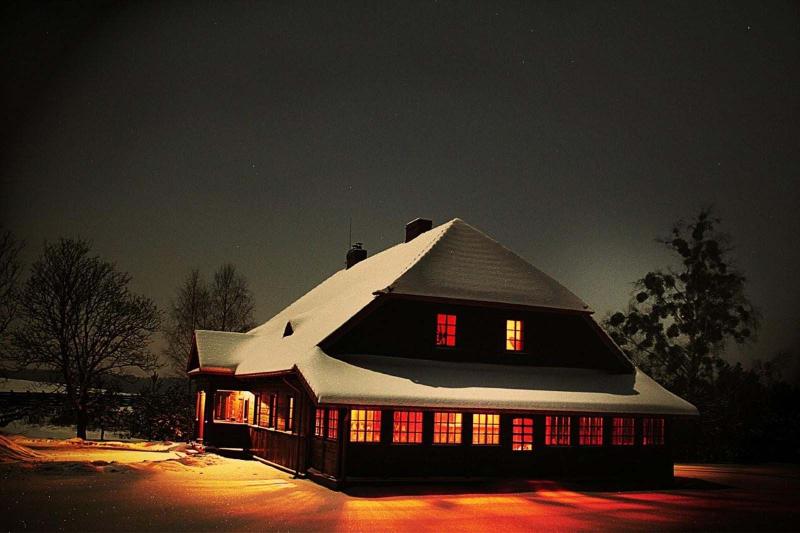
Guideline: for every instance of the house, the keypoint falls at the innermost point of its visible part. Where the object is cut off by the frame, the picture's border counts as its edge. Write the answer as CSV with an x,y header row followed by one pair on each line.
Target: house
x,y
445,355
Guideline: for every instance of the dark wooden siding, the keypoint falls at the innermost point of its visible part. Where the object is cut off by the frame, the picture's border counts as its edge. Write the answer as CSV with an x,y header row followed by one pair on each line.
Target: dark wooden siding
x,y
324,456
285,449
407,328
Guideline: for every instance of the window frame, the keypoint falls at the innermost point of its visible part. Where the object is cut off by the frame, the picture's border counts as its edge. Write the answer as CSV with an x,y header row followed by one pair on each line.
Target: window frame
x,y
332,424
519,438
486,427
624,432
443,330
262,401
454,427
319,422
654,435
590,431
555,434
519,331
370,433
408,431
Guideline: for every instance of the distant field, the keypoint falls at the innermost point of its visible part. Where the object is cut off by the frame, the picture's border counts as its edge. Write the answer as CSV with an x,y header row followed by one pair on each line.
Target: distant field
x,y
75,486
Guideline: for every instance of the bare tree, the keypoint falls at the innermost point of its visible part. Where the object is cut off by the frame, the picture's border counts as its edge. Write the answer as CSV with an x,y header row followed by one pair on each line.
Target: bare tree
x,y
10,270
231,301
81,319
188,311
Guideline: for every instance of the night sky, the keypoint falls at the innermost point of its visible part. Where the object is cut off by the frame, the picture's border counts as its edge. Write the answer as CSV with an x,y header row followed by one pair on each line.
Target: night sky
x,y
182,135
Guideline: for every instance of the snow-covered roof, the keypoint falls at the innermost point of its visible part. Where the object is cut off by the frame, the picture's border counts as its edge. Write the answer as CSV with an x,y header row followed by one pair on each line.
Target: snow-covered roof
x,y
397,381
453,261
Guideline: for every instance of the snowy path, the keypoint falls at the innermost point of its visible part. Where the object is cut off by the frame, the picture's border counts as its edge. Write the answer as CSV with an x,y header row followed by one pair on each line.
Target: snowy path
x,y
203,493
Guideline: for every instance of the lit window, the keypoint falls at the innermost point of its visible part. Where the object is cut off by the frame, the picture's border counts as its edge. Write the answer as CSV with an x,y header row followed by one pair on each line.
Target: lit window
x,y
652,431
445,330
284,412
447,428
622,432
590,431
407,427
514,335
365,425
485,429
233,406
522,434
557,431
250,409
263,411
333,423
319,423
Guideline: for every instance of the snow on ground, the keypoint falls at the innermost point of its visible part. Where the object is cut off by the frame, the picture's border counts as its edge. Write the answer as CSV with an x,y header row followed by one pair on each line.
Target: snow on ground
x,y
18,427
49,485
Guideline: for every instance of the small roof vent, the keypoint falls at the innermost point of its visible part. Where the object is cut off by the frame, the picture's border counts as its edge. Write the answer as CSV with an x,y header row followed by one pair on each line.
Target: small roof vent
x,y
288,330
417,227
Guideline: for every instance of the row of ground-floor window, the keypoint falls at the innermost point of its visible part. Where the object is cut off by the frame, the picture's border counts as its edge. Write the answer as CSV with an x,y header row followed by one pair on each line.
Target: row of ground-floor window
x,y
409,427
448,428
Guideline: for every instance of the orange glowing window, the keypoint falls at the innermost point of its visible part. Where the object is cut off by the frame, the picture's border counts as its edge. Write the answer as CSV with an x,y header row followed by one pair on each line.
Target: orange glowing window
x,y
652,431
365,425
446,428
622,432
263,411
319,423
233,406
407,427
514,335
485,429
284,412
333,423
557,431
445,330
590,431
522,434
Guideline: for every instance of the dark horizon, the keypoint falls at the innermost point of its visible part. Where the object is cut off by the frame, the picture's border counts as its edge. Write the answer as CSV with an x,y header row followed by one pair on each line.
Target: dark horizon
x,y
180,136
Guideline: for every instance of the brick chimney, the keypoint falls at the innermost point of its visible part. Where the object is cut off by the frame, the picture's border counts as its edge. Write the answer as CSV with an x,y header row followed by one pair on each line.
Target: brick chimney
x,y
417,227
355,254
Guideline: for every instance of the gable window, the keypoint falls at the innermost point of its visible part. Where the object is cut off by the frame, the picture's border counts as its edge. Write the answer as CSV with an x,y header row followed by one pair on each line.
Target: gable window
x,y
319,423
622,432
485,429
407,427
514,335
333,423
446,428
365,425
522,434
445,330
557,431
652,431
590,431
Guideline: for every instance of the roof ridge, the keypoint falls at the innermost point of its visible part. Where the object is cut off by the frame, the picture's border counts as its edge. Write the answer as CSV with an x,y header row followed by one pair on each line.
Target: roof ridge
x,y
444,228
